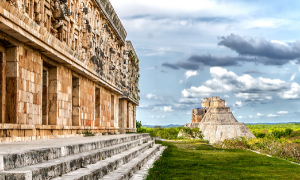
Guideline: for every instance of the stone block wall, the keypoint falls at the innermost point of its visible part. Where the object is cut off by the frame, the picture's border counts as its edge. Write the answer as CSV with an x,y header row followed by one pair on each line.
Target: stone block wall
x,y
87,102
64,73
105,108
29,86
64,95
220,110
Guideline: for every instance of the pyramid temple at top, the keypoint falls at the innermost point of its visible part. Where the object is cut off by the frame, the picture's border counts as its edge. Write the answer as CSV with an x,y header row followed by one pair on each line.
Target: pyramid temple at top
x,y
216,121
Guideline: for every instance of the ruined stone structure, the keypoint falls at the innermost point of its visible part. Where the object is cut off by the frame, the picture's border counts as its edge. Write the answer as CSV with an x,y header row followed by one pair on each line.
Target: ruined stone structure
x,y
216,121
65,68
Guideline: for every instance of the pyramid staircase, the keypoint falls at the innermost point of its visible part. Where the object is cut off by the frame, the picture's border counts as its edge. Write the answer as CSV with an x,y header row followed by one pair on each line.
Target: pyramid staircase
x,y
84,158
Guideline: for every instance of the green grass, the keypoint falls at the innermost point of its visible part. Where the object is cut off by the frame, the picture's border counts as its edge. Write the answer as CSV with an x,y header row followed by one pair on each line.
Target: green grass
x,y
194,159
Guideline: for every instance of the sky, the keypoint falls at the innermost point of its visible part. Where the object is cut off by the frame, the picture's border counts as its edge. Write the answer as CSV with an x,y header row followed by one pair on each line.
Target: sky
x,y
245,52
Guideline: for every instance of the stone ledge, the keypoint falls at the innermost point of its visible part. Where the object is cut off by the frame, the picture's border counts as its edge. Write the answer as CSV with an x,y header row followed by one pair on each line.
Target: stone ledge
x,y
52,127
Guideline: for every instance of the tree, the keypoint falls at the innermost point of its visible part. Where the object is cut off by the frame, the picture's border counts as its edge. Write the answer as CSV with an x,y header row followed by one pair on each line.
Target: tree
x,y
138,125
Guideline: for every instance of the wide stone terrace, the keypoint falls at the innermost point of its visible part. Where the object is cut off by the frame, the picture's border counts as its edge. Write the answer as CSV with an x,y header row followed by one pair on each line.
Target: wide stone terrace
x,y
94,157
19,147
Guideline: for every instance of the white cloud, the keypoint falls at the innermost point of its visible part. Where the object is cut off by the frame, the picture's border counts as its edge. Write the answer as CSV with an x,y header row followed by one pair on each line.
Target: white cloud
x,y
200,91
150,96
253,96
167,109
158,52
240,117
238,104
250,116
157,116
272,115
226,96
190,73
189,100
203,8
266,23
279,42
282,112
293,77
293,93
259,115
181,81
245,87
143,106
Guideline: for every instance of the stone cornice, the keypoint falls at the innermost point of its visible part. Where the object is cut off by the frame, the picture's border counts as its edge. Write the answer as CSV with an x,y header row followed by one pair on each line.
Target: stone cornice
x,y
112,18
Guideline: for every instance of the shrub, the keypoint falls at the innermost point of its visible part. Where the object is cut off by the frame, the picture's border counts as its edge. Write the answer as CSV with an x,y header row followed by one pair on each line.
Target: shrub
x,y
259,135
274,146
87,133
188,133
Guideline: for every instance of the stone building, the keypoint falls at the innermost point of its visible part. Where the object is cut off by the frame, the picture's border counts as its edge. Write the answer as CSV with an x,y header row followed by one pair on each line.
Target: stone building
x,y
216,121
66,67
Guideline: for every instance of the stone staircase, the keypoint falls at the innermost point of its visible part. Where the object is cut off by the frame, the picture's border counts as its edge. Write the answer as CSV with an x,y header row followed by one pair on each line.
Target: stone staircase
x,y
98,157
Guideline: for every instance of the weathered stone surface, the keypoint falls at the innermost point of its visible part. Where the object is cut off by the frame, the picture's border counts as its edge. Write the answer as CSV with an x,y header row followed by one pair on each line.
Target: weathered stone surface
x,y
128,170
41,151
91,160
44,46
63,165
104,167
143,172
216,121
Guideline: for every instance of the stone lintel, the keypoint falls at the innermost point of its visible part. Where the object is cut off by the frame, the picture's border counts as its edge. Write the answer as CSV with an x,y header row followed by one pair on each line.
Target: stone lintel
x,y
135,102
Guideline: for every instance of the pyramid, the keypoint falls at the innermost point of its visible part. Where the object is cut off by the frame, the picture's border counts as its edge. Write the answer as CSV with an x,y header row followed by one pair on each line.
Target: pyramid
x,y
216,121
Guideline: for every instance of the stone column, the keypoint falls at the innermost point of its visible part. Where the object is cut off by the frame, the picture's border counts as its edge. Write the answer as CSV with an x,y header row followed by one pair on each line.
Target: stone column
x,y
97,107
12,75
2,87
45,98
129,116
52,94
122,115
116,113
76,102
134,117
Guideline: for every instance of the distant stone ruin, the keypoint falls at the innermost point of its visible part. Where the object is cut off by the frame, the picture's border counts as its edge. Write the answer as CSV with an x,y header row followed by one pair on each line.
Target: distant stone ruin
x,y
216,121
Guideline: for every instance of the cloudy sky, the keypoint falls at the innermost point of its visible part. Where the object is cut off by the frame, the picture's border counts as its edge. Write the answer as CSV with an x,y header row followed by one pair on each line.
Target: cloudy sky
x,y
246,52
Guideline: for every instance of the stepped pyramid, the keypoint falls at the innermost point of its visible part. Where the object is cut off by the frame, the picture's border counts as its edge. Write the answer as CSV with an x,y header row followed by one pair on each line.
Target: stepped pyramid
x,y
216,121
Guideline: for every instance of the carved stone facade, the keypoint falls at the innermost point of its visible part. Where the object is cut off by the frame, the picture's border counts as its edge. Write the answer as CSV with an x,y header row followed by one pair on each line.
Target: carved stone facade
x,y
216,121
65,68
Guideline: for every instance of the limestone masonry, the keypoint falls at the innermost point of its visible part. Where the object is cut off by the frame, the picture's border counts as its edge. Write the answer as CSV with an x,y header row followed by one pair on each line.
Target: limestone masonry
x,y
65,68
216,121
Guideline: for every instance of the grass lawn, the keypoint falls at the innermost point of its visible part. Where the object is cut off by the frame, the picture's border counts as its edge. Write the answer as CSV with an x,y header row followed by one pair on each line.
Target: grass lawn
x,y
194,159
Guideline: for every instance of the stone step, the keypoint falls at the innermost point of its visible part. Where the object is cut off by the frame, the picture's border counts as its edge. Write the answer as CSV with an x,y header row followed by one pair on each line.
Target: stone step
x,y
17,155
102,168
143,172
63,165
127,171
